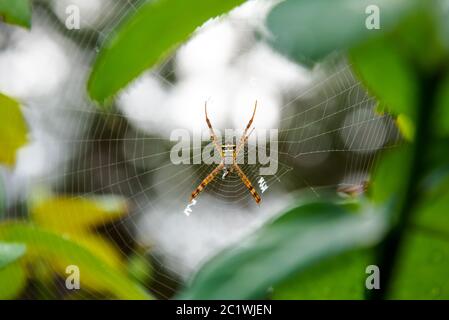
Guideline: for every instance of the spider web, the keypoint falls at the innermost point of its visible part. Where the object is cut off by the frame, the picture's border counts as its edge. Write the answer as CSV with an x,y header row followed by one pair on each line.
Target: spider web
x,y
329,136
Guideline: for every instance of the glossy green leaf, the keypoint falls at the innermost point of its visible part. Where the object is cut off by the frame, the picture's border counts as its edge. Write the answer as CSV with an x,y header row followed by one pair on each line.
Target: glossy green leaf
x,y
61,251
387,75
423,267
296,240
341,277
146,38
10,252
13,280
307,31
13,131
16,12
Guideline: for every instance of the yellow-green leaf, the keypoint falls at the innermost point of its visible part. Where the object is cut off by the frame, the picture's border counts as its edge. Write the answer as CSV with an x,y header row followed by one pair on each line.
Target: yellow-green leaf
x,y
12,281
61,252
13,130
72,214
99,246
406,126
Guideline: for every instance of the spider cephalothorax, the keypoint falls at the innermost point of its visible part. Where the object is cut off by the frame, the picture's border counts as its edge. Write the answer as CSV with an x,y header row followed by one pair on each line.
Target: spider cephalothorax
x,y
228,163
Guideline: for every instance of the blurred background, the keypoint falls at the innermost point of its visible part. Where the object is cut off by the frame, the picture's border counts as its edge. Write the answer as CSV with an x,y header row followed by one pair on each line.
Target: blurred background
x,y
103,178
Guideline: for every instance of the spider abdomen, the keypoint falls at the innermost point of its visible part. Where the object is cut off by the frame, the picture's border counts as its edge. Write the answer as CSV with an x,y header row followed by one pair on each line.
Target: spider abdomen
x,y
228,154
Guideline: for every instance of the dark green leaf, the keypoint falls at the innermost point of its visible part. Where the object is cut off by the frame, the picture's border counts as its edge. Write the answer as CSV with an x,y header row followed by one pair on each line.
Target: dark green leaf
x,y
387,75
441,116
16,12
293,242
148,37
307,31
418,39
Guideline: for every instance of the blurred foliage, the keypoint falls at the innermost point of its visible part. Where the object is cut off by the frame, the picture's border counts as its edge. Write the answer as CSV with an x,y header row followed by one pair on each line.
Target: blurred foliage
x,y
10,252
78,217
13,279
298,238
72,214
337,277
316,250
146,38
16,12
376,58
60,251
12,275
308,31
13,133
441,117
63,234
401,65
423,265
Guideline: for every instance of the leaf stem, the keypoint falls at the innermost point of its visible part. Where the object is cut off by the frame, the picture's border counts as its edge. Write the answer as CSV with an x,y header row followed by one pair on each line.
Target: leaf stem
x,y
389,249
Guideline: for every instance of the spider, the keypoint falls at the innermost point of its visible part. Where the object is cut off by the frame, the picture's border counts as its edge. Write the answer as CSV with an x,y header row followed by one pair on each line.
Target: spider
x,y
228,154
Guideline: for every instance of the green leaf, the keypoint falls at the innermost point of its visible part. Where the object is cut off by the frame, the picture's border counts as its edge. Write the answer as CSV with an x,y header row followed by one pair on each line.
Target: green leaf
x,y
298,239
387,75
13,131
16,12
13,279
139,268
10,252
341,277
307,31
432,213
441,115
423,267
148,37
386,186
419,40
61,251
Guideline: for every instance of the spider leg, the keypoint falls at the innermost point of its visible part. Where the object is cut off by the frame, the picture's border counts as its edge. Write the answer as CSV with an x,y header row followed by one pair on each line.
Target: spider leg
x,y
242,145
213,136
206,181
245,137
247,183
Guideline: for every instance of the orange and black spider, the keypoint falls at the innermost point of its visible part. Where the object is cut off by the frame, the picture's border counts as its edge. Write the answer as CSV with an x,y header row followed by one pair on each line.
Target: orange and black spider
x,y
228,154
